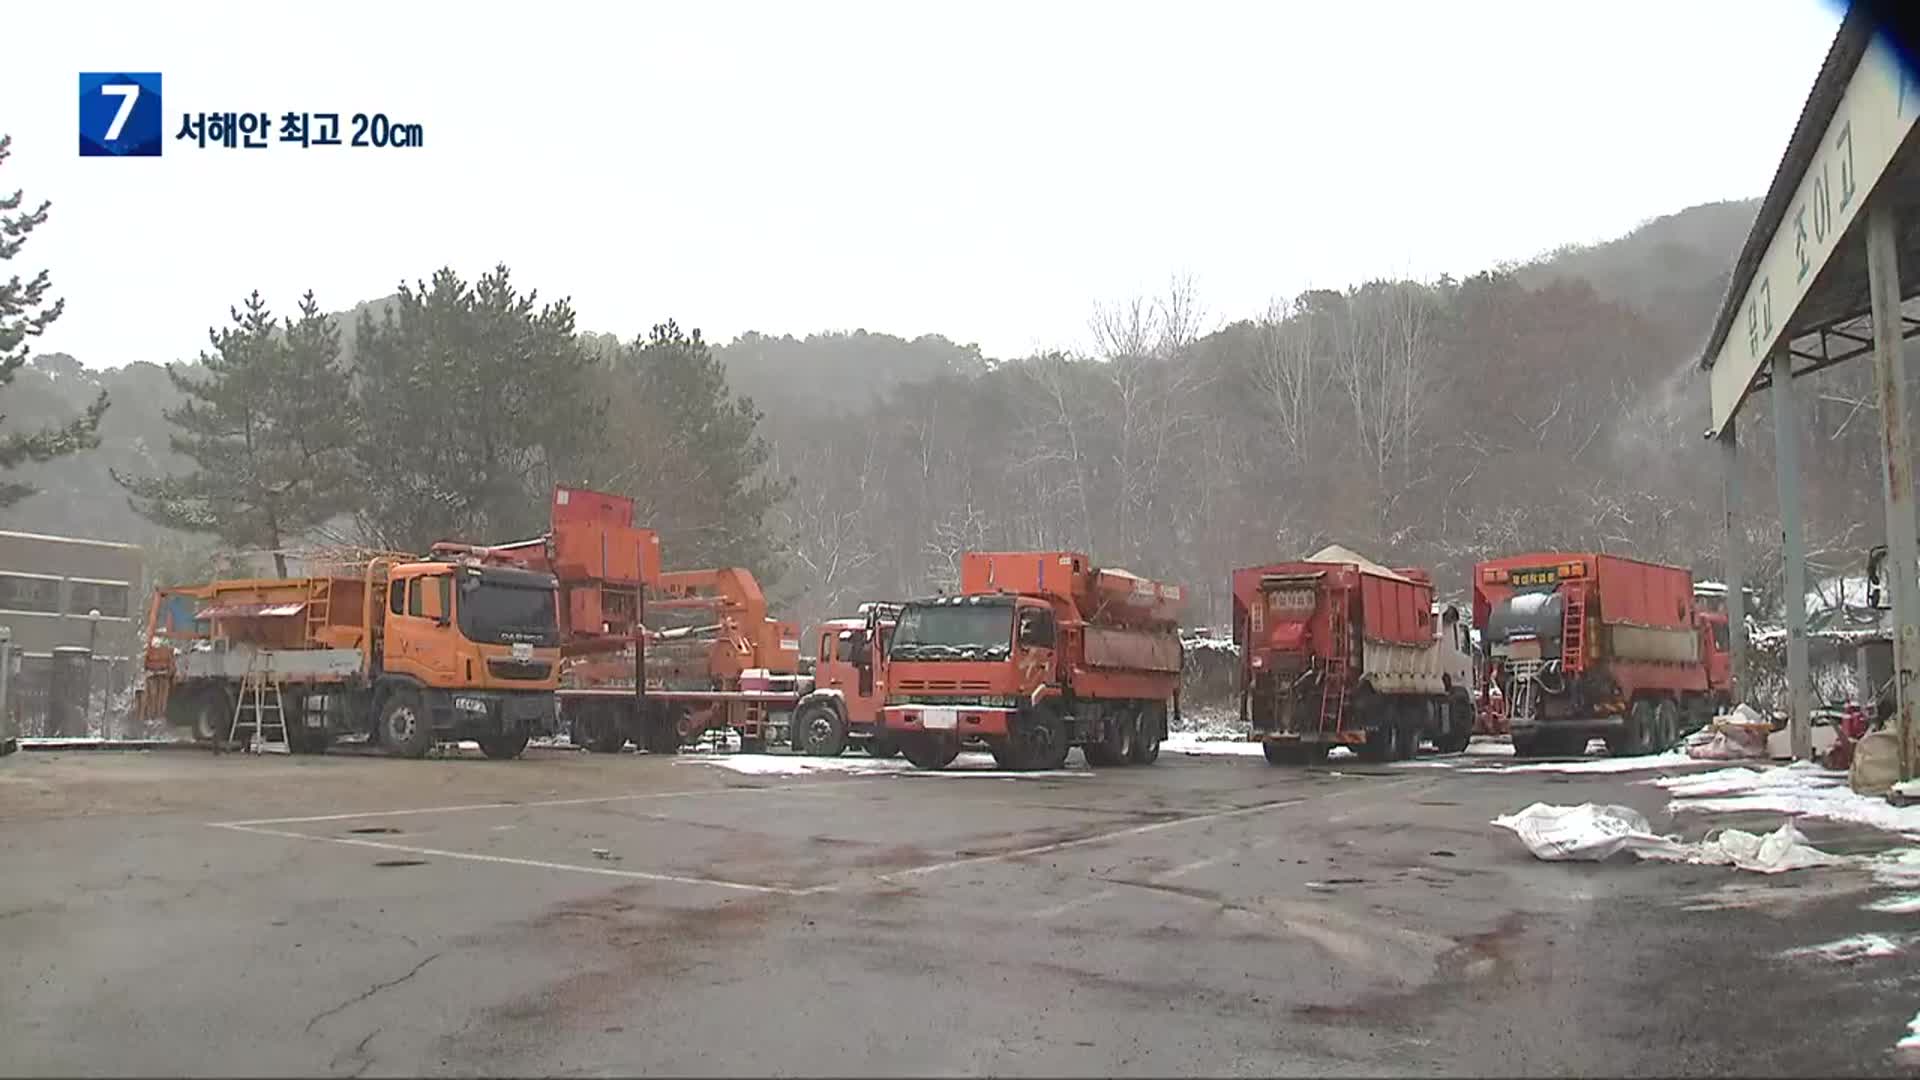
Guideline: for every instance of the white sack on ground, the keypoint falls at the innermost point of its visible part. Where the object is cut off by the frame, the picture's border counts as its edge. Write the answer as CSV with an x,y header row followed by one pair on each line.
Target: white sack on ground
x,y
1591,832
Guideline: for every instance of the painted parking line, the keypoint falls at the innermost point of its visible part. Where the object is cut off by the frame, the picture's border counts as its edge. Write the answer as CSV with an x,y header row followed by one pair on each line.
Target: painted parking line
x,y
537,864
587,801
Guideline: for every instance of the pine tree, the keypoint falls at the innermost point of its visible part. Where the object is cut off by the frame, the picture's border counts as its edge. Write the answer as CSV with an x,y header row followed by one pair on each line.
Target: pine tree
x,y
691,454
475,402
270,430
23,316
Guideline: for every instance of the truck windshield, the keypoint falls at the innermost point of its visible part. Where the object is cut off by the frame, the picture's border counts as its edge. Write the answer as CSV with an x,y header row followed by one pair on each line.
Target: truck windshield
x,y
503,612
954,632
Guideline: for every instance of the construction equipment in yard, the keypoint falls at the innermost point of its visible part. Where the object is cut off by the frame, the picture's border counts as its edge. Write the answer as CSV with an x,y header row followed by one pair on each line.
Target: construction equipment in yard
x,y
409,651
1583,646
1039,652
660,658
1337,650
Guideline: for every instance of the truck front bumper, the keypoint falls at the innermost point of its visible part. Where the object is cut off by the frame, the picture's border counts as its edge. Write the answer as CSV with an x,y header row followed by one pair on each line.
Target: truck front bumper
x,y
963,721
470,714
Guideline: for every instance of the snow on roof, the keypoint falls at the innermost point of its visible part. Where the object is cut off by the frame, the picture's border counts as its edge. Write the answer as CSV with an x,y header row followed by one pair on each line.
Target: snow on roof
x,y
1334,553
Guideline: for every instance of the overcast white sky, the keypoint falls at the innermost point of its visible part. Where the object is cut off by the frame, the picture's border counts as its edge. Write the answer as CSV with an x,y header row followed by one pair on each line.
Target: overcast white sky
x,y
983,170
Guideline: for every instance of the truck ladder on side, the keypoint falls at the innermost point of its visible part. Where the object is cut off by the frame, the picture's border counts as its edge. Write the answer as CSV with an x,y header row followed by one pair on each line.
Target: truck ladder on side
x,y
1573,631
319,606
1333,677
260,694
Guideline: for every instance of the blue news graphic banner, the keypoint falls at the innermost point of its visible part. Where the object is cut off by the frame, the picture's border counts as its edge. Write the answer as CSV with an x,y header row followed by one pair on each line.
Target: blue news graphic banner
x,y
120,114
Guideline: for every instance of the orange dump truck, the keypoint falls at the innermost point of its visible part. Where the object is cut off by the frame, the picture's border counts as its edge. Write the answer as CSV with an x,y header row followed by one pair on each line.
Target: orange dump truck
x,y
406,651
1040,652
1337,650
1583,646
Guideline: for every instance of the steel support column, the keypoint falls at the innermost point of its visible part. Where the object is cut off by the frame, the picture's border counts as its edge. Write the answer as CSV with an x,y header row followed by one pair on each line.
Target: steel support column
x,y
1735,569
1786,456
1896,460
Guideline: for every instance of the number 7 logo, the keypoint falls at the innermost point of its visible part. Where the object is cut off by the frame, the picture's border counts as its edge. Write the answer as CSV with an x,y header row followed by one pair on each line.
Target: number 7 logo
x,y
120,114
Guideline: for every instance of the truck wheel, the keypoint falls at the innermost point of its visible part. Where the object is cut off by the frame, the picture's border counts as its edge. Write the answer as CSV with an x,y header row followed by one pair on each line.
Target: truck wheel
x,y
1406,732
504,747
1116,741
1529,746
930,751
662,732
1146,738
212,712
1458,731
405,726
1380,741
1279,753
1004,754
819,731
1039,739
881,746
305,740
596,727
1666,724
1639,737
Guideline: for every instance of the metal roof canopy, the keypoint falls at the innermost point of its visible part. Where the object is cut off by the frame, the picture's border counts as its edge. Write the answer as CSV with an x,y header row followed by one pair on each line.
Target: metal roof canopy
x,y
1801,278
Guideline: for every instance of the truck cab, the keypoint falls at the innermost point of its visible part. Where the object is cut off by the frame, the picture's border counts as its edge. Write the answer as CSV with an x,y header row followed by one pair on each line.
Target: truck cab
x,y
1040,652
850,685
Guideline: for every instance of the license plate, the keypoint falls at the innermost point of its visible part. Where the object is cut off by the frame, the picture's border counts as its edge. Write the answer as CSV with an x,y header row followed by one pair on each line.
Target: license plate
x,y
939,719
1524,650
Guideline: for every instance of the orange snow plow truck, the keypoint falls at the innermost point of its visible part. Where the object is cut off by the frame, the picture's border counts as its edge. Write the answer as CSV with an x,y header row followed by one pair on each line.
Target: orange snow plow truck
x,y
1041,651
1596,646
407,651
1339,651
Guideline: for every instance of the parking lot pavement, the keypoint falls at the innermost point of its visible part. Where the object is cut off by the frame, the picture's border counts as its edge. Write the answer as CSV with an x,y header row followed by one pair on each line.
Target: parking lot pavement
x,y
171,913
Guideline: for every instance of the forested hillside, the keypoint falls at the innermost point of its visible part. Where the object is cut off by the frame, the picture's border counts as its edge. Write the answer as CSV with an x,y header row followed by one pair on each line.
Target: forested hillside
x,y
1549,404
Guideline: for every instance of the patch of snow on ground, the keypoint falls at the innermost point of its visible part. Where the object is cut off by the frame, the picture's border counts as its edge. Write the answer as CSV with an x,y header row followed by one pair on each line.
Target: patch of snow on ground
x,y
1912,1040
1897,869
1490,746
1798,789
1848,949
1598,765
972,766
795,764
1200,742
1897,905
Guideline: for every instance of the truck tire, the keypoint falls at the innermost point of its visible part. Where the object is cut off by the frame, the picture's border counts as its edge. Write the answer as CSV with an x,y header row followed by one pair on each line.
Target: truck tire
x,y
1038,741
596,726
1638,736
1380,741
820,731
881,746
661,730
1279,753
405,727
212,712
305,740
930,751
1116,740
506,746
1526,747
1408,721
1666,725
1146,737
1457,732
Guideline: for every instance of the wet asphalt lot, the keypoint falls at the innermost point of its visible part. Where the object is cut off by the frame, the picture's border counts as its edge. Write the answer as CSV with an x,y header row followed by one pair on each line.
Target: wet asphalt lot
x,y
171,913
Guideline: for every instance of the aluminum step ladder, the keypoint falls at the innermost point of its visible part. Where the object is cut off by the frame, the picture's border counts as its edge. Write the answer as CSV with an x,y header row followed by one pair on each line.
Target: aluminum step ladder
x,y
260,695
